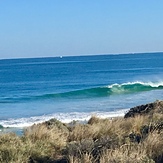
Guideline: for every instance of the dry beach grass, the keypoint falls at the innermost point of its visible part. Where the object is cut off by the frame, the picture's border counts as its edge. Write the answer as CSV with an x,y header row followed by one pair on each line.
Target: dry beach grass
x,y
136,138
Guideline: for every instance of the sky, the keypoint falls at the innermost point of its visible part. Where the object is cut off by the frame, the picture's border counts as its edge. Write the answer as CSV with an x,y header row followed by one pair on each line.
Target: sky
x,y
49,28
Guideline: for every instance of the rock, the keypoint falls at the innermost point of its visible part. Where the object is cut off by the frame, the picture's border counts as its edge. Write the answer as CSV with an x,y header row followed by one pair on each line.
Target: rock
x,y
144,109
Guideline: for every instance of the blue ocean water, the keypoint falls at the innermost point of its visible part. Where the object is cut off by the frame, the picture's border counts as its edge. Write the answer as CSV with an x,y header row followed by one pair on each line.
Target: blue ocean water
x,y
77,87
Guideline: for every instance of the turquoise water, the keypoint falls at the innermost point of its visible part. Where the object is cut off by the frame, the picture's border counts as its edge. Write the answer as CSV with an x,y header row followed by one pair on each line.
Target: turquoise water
x,y
74,88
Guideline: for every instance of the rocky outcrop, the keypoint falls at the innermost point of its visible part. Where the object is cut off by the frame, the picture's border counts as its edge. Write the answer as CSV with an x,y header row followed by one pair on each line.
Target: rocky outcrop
x,y
144,109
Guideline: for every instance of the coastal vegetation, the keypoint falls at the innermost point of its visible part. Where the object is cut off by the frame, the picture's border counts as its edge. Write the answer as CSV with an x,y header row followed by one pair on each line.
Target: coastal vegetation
x,y
137,137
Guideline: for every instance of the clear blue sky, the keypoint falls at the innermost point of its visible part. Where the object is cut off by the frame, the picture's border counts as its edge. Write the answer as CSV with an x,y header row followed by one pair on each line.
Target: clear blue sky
x,y
37,28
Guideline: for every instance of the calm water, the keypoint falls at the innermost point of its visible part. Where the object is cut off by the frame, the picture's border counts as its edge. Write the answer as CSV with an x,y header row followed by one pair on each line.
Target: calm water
x,y
74,88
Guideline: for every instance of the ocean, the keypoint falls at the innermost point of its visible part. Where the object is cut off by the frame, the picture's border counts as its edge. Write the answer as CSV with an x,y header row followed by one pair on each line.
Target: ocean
x,y
77,87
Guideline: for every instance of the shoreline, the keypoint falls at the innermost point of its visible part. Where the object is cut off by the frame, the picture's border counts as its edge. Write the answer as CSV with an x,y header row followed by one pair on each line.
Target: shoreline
x,y
101,115
20,130
63,117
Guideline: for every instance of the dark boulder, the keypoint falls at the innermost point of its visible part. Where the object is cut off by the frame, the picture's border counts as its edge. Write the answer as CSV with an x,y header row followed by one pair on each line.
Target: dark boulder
x,y
144,109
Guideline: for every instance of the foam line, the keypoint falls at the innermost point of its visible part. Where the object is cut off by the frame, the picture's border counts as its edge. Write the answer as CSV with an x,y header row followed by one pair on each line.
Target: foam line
x,y
63,117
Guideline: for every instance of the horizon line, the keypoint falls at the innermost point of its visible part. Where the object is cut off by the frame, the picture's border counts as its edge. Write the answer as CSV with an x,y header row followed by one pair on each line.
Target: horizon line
x,y
82,55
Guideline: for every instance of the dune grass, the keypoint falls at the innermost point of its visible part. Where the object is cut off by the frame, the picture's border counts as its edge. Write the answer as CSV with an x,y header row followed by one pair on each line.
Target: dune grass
x,y
137,139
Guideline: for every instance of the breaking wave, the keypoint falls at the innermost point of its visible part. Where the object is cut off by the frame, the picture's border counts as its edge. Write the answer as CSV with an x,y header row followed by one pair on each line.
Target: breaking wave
x,y
104,91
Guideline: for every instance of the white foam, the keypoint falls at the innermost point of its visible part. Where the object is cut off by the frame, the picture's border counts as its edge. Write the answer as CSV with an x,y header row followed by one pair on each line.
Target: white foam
x,y
63,117
152,84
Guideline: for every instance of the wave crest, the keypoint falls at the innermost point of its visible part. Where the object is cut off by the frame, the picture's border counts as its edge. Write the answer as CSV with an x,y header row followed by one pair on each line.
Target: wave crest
x,y
133,87
104,91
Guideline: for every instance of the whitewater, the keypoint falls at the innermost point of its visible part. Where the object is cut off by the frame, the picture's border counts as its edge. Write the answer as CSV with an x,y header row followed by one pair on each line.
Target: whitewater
x,y
75,88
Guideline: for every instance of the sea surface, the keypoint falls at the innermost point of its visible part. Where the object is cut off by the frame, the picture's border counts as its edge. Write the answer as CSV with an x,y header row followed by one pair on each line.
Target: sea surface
x,y
77,87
